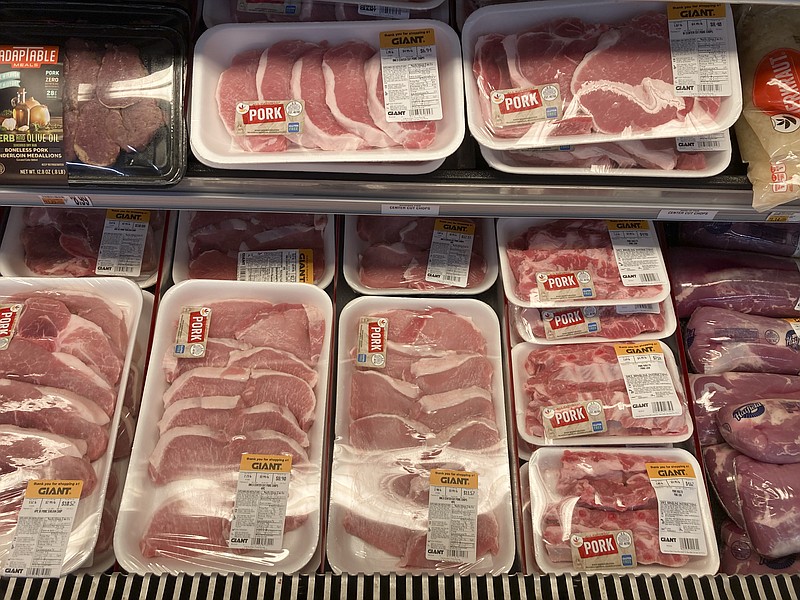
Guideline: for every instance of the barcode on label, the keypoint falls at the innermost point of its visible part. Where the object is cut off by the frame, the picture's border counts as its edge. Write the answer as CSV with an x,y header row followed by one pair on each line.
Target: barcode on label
x,y
457,554
121,269
650,277
390,10
709,144
710,87
421,111
263,541
40,572
661,406
450,278
689,544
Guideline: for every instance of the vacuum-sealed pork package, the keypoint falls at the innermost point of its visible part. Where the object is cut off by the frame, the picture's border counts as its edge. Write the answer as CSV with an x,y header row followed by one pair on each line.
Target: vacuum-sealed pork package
x,y
421,402
738,557
226,467
767,430
778,239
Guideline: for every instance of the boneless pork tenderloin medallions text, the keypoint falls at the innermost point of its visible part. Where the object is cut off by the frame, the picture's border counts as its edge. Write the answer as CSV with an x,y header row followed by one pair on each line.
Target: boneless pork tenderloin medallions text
x,y
341,86
254,391
431,405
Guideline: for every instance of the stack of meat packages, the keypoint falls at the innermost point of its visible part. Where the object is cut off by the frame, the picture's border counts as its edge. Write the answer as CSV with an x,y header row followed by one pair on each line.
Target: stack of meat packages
x,y
616,89
61,374
216,239
739,287
324,10
255,390
393,253
435,402
64,242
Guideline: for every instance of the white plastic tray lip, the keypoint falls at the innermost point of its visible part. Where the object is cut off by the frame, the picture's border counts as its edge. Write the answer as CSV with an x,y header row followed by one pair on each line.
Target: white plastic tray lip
x,y
215,12
133,518
12,254
716,163
212,144
518,355
366,168
128,296
706,565
670,325
486,320
180,262
353,245
512,18
510,227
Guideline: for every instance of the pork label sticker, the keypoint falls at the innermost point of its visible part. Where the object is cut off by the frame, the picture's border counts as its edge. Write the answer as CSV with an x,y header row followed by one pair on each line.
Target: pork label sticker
x,y
650,387
795,324
570,322
564,285
638,309
410,73
383,12
701,38
262,492
525,106
8,323
123,243
450,253
269,117
192,335
571,420
280,7
452,516
680,520
637,253
776,89
371,347
44,525
292,266
603,550
713,142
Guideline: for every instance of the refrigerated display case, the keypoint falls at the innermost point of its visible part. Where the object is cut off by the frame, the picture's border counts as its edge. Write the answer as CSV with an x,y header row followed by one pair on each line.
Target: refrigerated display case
x,y
463,186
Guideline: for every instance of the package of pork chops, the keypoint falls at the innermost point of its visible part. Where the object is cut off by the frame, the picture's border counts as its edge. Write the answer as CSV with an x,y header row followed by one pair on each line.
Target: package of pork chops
x,y
226,469
420,390
86,99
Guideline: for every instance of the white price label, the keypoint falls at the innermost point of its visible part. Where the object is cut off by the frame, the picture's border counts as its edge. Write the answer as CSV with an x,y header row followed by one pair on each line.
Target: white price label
x,y
638,309
280,7
410,76
637,253
680,521
700,36
422,210
44,525
291,266
262,493
670,214
452,516
123,243
450,253
648,381
713,142
383,12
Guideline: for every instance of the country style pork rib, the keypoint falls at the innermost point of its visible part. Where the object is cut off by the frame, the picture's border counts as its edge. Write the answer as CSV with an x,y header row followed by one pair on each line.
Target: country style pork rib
x,y
614,324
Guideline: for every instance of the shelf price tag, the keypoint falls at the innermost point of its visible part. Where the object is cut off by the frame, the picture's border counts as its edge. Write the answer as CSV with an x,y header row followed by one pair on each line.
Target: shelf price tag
x,y
71,201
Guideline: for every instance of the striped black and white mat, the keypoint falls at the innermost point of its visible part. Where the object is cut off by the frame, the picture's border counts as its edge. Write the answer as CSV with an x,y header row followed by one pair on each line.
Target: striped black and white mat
x,y
325,587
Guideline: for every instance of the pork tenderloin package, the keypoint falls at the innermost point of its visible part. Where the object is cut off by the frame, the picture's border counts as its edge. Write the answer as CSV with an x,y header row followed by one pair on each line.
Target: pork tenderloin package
x,y
682,157
746,282
255,246
710,393
720,340
720,465
621,511
420,391
599,394
217,12
560,73
315,93
548,263
767,132
777,239
395,255
85,242
589,324
738,557
67,348
767,430
101,103
225,472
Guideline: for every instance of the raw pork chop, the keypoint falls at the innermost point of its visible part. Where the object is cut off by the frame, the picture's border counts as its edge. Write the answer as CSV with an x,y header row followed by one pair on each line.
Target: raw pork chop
x,y
719,340
435,328
439,411
238,84
373,392
321,129
346,91
57,411
410,135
